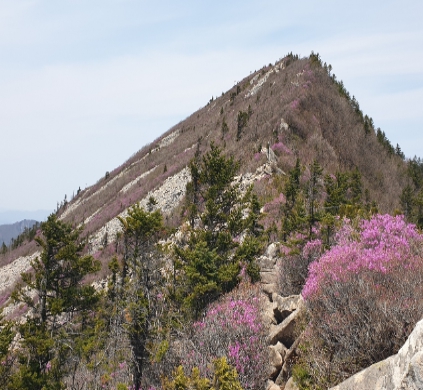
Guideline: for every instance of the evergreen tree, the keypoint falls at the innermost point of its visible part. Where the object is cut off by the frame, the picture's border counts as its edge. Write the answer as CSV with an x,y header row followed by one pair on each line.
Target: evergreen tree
x,y
242,121
225,127
225,377
141,231
7,355
192,196
293,185
313,191
61,308
344,193
399,152
212,261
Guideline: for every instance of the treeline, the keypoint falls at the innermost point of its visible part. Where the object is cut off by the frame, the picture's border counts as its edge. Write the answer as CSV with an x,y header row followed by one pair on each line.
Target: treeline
x,y
412,195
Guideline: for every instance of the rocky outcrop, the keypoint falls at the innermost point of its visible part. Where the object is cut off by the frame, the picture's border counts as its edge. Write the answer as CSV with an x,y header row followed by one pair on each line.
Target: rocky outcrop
x,y
11,273
281,314
399,372
167,196
290,385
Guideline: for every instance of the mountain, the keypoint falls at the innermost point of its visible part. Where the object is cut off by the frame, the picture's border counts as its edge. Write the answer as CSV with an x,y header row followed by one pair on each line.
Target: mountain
x,y
11,231
312,158
294,107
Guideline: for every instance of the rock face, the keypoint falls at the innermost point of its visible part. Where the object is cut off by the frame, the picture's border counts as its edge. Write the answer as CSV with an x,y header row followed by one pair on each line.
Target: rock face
x,y
403,371
281,314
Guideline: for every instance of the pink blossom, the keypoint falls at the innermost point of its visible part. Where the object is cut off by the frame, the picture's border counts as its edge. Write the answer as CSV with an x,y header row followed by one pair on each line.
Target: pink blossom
x,y
295,104
281,148
381,244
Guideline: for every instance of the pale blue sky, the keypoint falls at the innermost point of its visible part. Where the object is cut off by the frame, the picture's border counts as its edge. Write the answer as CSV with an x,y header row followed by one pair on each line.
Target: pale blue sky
x,y
85,84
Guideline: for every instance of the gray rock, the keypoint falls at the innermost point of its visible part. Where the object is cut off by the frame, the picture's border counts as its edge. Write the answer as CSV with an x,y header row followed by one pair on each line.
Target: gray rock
x,y
414,377
285,331
399,372
269,288
272,250
270,385
275,360
283,126
290,385
269,277
274,387
284,306
281,349
267,313
266,263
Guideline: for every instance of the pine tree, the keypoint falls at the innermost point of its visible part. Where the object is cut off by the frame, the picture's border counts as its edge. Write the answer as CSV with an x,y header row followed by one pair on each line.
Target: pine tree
x,y
212,260
314,187
141,231
7,356
61,307
336,188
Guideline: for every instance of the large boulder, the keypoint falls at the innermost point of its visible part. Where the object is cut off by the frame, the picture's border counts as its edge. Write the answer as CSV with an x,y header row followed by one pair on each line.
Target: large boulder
x,y
399,372
285,332
284,306
267,263
291,385
272,386
269,277
272,250
276,358
268,313
276,362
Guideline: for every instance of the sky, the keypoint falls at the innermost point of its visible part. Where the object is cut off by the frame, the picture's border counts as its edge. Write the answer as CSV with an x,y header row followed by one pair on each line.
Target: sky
x,y
84,84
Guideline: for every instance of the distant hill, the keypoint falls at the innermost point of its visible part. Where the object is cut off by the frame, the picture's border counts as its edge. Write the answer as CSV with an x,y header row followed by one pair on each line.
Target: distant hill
x,y
11,231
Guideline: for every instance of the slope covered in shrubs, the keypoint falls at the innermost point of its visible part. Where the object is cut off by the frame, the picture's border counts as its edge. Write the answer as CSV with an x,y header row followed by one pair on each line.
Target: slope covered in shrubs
x,y
363,297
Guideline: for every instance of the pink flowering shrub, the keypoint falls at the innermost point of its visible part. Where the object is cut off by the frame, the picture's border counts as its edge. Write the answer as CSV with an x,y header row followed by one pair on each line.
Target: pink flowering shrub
x,y
279,147
363,297
295,104
233,328
384,244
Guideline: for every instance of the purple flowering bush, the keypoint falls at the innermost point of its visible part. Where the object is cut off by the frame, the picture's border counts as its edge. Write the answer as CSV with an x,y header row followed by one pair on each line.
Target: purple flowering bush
x,y
280,148
233,328
363,296
383,245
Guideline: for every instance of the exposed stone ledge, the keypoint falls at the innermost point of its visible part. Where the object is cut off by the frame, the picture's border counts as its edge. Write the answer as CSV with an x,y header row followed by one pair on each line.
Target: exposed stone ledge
x,y
399,372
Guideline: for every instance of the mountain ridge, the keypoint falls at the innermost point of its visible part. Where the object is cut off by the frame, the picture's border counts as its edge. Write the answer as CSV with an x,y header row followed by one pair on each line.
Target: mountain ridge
x,y
295,107
300,140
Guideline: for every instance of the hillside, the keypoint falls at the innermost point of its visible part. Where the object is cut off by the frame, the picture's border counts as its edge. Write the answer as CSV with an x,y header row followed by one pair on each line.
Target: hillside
x,y
294,103
294,133
296,107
